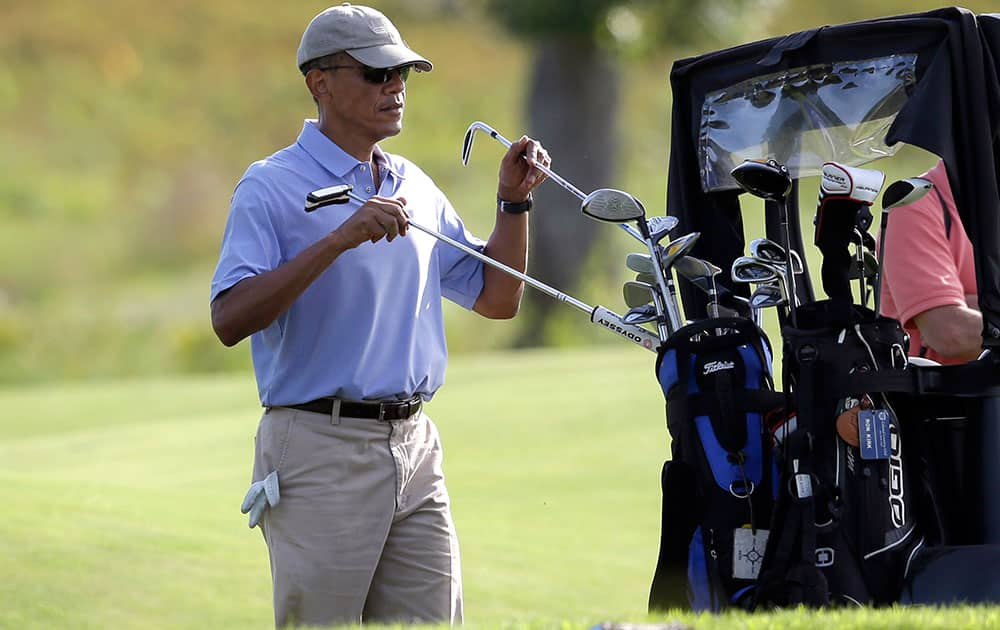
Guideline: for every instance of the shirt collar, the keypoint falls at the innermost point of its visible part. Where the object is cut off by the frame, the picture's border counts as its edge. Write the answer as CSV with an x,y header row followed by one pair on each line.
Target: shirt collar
x,y
334,159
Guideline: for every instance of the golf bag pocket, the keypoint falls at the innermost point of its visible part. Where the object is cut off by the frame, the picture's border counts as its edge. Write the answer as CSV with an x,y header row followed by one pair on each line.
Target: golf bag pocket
x,y
716,377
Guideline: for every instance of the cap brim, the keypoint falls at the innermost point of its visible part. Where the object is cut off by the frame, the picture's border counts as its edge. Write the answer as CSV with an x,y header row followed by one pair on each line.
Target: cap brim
x,y
390,56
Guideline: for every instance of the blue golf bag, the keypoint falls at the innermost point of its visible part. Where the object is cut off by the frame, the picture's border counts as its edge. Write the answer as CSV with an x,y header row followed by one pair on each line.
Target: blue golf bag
x,y
718,486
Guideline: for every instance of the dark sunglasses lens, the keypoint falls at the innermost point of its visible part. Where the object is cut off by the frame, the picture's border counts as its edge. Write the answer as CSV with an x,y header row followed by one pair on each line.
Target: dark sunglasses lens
x,y
384,75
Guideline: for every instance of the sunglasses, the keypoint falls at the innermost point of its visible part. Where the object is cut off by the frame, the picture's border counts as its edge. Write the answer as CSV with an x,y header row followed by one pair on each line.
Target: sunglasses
x,y
377,76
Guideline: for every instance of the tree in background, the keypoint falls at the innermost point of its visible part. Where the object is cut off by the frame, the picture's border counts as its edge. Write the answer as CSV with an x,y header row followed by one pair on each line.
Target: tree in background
x,y
573,106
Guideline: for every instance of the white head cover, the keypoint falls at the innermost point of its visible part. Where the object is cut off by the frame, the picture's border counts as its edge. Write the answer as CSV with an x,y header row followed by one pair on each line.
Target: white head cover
x,y
857,184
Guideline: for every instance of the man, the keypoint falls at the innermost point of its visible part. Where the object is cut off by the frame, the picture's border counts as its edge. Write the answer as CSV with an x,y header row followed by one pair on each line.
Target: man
x,y
929,279
343,307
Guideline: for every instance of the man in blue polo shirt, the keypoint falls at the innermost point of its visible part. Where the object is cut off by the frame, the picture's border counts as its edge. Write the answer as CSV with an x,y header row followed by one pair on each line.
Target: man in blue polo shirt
x,y
343,308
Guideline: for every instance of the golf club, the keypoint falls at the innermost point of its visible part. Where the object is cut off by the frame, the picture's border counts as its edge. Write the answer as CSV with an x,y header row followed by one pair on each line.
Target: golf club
x,y
599,315
638,293
899,193
478,125
616,206
770,180
691,267
766,249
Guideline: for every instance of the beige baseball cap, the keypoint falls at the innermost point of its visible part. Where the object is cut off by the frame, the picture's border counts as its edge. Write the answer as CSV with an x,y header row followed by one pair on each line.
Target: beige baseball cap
x,y
361,32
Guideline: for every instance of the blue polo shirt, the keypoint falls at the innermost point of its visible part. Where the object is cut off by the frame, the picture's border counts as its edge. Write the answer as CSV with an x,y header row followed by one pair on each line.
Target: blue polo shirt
x,y
371,325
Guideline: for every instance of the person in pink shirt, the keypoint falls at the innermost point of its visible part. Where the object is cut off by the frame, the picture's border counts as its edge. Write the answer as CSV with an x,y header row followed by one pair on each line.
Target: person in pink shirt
x,y
929,281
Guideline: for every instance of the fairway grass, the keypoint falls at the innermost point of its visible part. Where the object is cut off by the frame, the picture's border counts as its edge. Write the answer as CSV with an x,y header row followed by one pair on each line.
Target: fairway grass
x,y
121,506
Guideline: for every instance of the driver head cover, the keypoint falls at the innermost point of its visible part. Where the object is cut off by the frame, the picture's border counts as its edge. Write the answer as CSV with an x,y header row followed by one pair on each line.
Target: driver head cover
x,y
848,182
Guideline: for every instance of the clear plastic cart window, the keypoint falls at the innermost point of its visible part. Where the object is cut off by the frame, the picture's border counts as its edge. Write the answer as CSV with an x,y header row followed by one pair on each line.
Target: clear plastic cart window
x,y
804,117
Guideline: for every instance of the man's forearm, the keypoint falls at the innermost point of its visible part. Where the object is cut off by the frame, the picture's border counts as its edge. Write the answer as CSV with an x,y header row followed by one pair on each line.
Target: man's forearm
x,y
254,303
501,295
952,331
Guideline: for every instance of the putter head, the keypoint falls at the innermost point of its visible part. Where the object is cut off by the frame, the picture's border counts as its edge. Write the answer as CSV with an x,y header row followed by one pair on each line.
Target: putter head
x,y
747,269
905,191
614,206
766,179
660,227
327,196
640,263
637,294
470,135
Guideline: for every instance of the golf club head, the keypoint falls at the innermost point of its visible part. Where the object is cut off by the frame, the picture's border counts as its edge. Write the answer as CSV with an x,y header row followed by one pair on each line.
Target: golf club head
x,y
905,191
637,293
640,263
691,267
660,226
334,195
766,179
767,250
747,270
648,278
867,266
470,136
640,315
766,296
678,247
613,206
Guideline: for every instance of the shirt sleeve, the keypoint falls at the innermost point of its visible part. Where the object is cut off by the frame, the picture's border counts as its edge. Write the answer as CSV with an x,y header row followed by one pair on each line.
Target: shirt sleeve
x,y
250,243
919,267
461,274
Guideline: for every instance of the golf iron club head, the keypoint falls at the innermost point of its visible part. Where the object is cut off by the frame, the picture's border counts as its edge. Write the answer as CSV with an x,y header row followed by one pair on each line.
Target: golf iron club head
x,y
637,293
747,270
766,296
640,263
768,250
470,136
640,315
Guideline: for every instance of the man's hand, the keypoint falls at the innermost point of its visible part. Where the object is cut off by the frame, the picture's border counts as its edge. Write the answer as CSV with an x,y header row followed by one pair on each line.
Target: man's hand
x,y
378,217
518,175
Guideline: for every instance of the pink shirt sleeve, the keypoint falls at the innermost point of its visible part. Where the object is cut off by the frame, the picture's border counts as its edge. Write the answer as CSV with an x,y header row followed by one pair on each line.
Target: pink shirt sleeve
x,y
920,269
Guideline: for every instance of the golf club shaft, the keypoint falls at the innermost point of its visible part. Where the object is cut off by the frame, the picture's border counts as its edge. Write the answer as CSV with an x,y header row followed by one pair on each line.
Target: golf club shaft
x,y
881,260
598,314
793,297
493,133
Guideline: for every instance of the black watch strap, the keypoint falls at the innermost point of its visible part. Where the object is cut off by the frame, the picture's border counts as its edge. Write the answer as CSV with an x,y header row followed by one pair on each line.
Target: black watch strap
x,y
514,207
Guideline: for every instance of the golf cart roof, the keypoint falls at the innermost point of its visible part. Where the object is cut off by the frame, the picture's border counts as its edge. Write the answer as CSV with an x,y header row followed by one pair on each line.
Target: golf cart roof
x,y
847,93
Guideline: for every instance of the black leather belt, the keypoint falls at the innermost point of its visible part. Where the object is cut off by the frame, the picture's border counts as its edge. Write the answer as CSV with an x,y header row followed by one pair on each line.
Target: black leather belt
x,y
387,410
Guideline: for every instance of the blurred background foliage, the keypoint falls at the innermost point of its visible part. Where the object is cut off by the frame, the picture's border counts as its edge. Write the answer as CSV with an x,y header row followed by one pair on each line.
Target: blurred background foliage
x,y
125,126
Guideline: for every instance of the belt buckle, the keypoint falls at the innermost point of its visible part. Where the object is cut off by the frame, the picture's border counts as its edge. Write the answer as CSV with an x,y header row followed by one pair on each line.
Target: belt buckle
x,y
381,412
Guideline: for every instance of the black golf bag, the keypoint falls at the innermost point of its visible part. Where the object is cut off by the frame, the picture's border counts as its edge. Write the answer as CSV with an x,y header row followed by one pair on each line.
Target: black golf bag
x,y
718,488
845,527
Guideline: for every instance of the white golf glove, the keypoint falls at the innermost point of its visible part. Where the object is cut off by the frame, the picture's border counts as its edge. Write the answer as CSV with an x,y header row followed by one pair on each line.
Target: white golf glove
x,y
262,494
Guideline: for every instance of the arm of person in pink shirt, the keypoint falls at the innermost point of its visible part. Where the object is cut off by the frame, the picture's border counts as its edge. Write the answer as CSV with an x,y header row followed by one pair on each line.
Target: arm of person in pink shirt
x,y
921,272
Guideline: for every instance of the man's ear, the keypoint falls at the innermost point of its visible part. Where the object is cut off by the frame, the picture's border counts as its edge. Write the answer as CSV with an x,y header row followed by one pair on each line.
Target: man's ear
x,y
318,83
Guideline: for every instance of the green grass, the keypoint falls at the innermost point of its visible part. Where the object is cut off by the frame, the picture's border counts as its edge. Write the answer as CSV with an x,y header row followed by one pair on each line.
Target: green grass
x,y
121,505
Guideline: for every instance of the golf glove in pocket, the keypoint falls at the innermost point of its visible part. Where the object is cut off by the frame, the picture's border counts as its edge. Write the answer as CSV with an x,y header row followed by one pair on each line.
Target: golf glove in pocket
x,y
262,494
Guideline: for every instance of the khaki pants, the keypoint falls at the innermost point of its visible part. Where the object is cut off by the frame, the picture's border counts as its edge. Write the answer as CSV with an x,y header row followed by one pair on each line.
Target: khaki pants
x,y
363,531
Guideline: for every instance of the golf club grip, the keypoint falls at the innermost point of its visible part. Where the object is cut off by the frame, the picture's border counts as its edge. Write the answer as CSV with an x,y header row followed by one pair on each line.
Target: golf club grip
x,y
636,334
